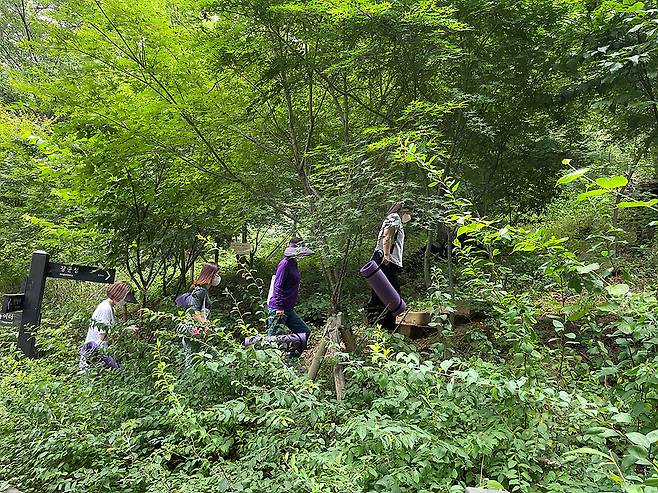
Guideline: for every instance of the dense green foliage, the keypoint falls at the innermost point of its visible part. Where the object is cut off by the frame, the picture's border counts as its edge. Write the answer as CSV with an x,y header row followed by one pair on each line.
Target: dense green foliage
x,y
147,135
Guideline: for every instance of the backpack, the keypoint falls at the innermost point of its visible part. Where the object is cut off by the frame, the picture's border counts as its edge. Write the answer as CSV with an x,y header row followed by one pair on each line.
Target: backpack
x,y
271,291
184,300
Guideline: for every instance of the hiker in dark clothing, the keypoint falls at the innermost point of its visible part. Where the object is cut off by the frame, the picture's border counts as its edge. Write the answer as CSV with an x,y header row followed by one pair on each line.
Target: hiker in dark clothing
x,y
285,291
199,309
388,254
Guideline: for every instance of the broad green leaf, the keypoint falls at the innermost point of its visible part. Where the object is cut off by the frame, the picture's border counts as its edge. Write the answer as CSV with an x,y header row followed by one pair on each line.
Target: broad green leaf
x,y
617,289
622,418
652,436
495,485
638,439
588,451
602,432
586,269
651,481
468,228
572,176
591,193
637,203
612,182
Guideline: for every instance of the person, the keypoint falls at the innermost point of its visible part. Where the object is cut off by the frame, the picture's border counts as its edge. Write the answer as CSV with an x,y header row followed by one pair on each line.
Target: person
x,y
285,291
118,294
199,309
388,254
200,303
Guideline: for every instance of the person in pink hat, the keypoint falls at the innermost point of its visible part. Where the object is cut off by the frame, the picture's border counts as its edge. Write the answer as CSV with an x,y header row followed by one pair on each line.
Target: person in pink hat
x,y
284,291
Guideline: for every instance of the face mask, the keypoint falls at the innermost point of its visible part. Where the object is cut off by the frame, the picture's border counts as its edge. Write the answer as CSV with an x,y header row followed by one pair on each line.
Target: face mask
x,y
216,280
121,303
405,218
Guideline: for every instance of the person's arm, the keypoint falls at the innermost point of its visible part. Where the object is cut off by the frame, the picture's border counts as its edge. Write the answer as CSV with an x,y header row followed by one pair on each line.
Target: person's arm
x,y
392,225
279,279
389,233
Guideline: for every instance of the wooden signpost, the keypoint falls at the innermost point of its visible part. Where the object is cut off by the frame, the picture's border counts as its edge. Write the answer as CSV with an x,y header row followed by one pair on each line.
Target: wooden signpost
x,y
24,309
240,249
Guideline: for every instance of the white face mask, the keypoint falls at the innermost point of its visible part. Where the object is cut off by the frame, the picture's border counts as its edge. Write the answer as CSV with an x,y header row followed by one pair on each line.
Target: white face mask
x,y
121,303
405,218
216,280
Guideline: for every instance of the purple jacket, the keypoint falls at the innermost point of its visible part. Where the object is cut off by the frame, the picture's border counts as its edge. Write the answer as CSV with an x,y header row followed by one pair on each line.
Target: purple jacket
x,y
286,285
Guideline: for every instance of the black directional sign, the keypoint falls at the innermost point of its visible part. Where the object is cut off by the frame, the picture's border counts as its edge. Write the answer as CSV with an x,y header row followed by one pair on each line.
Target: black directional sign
x,y
80,273
10,319
24,309
12,302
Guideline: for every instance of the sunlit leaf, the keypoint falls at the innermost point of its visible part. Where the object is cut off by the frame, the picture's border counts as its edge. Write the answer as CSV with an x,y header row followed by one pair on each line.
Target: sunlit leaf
x,y
612,182
591,193
572,176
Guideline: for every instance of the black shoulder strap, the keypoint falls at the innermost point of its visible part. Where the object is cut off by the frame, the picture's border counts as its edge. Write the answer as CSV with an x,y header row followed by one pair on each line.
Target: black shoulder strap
x,y
395,241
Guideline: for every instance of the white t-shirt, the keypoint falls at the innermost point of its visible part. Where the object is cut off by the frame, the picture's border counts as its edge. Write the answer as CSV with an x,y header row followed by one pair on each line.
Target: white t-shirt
x,y
394,222
101,320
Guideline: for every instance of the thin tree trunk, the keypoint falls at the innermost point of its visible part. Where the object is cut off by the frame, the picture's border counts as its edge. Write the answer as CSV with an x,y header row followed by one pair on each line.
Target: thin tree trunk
x,y
451,280
427,258
629,174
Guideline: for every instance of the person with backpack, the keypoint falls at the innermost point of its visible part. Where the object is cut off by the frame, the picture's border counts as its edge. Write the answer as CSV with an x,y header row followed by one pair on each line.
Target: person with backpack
x,y
198,306
388,255
284,291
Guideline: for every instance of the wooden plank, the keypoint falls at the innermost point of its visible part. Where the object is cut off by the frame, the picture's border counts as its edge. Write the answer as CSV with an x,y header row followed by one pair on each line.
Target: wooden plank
x,y
421,318
414,331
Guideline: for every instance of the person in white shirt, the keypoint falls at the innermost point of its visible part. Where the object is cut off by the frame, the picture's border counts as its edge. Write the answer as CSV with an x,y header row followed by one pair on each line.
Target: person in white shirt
x,y
118,294
388,254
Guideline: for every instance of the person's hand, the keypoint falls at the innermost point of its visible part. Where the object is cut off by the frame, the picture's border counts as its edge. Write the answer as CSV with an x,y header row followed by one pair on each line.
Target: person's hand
x,y
133,328
386,259
280,313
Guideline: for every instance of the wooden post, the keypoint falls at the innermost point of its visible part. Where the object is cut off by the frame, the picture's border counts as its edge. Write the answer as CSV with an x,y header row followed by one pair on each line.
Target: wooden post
x,y
318,356
348,338
34,288
332,333
334,337
321,350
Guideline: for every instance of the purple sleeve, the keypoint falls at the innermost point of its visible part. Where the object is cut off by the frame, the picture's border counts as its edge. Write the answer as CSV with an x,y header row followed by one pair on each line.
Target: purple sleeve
x,y
279,277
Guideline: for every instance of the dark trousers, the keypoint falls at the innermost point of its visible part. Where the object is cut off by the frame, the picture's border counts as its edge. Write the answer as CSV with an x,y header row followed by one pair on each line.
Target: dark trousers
x,y
375,306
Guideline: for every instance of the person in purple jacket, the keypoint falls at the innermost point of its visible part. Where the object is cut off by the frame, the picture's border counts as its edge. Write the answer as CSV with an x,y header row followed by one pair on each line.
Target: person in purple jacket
x,y
285,291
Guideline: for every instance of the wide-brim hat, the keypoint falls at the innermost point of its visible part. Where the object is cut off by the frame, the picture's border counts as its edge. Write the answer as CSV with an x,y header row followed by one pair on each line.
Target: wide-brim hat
x,y
297,248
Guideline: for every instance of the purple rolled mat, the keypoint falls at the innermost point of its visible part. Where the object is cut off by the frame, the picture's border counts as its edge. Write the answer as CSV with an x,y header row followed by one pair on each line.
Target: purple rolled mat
x,y
293,342
383,288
